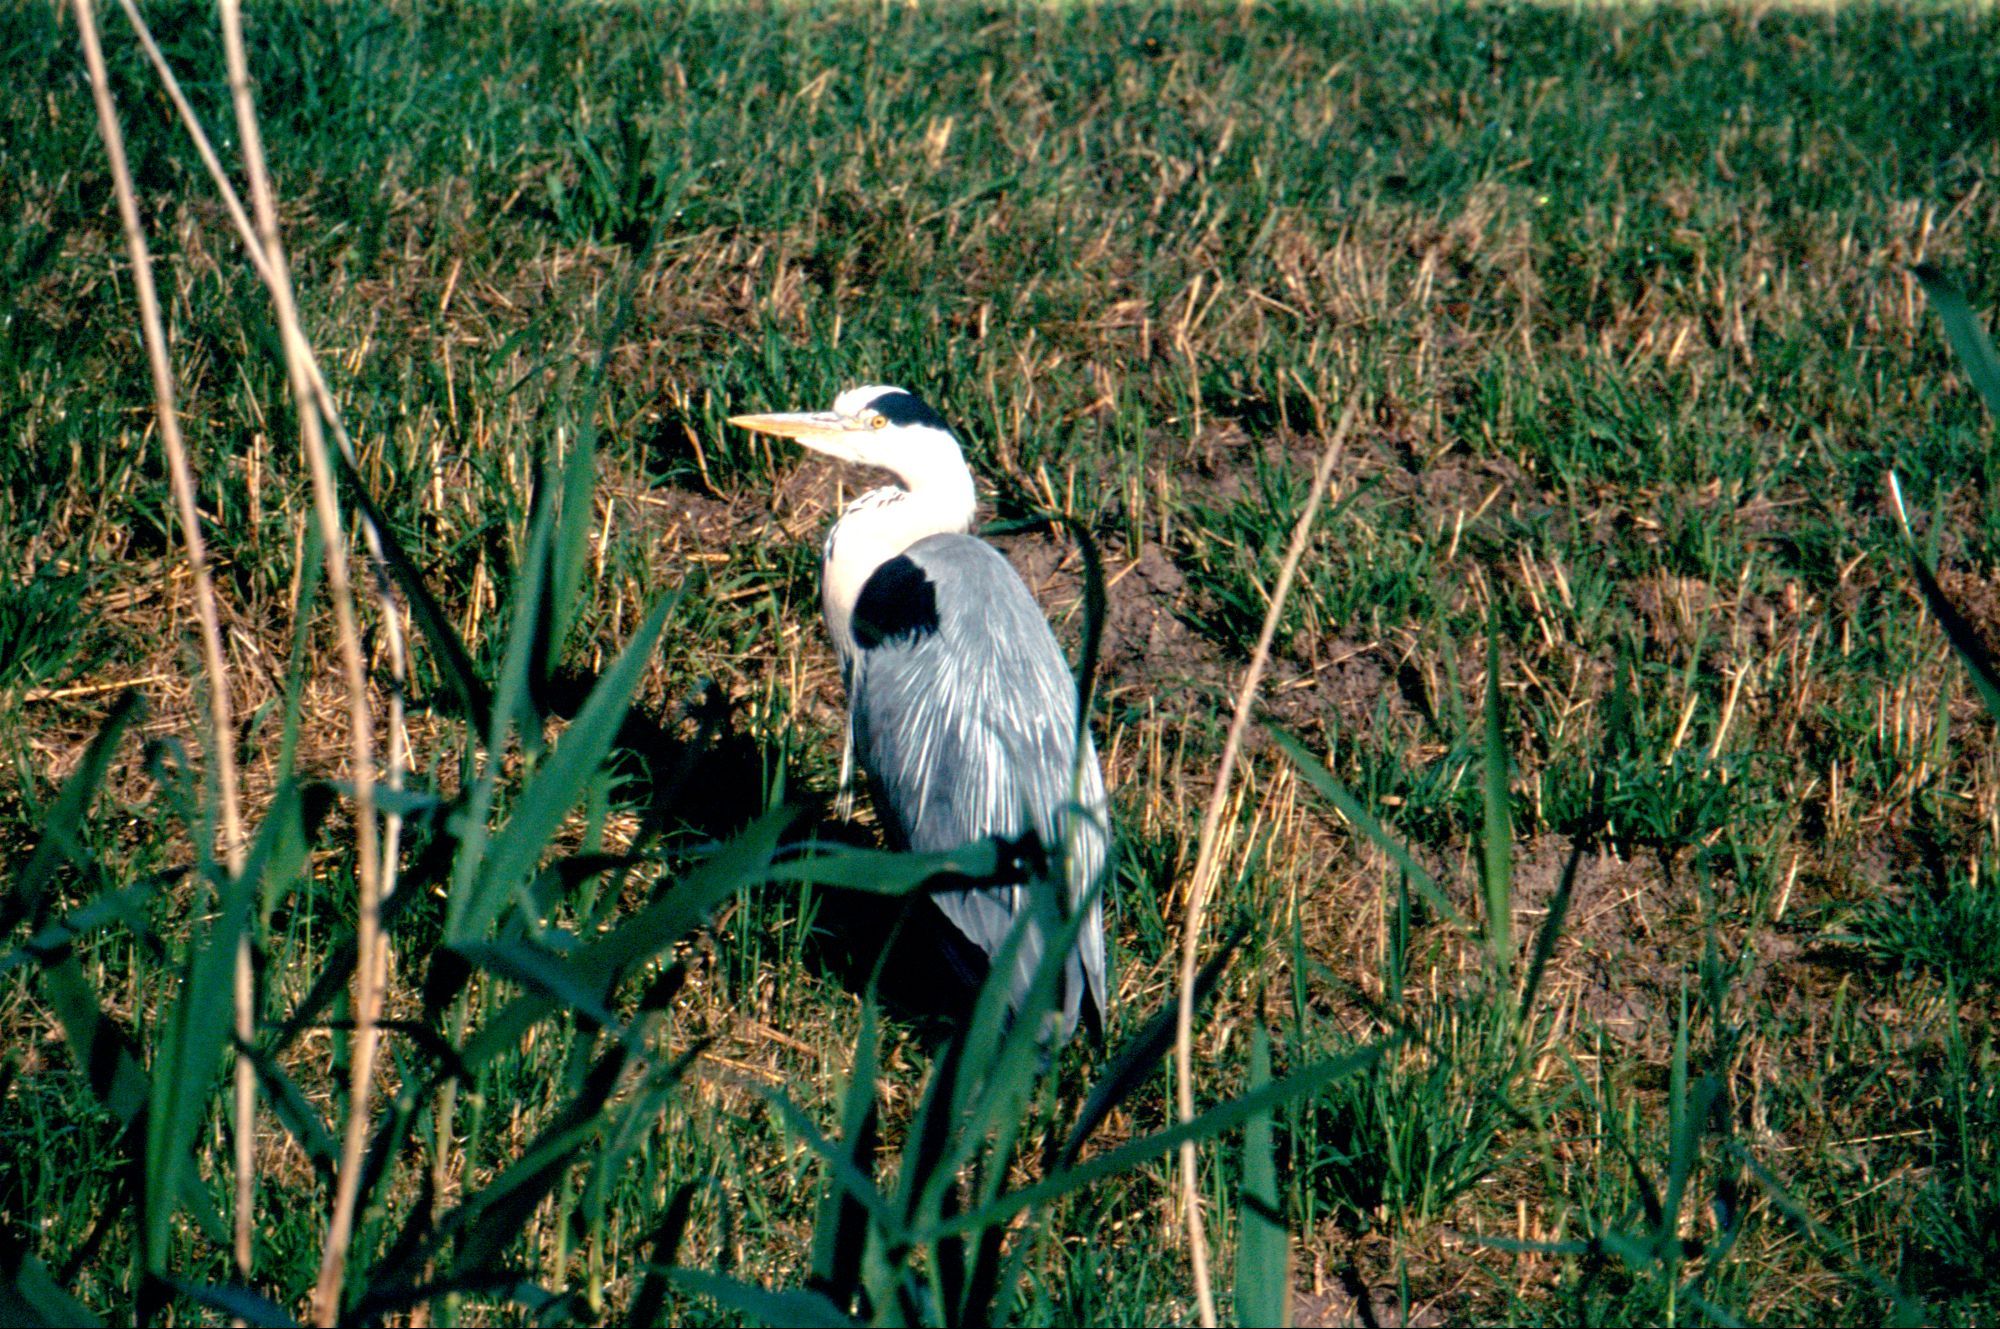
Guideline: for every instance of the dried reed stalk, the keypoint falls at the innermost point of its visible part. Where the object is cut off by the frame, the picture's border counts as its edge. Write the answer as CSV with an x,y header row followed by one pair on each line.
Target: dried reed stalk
x,y
277,283
369,972
221,727
1207,854
394,634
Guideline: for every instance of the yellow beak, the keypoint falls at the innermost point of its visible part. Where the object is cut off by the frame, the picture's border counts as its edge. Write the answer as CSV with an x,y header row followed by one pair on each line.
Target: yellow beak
x,y
805,426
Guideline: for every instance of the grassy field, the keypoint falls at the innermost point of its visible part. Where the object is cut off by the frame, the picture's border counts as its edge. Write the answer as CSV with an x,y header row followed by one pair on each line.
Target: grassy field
x,y
1627,295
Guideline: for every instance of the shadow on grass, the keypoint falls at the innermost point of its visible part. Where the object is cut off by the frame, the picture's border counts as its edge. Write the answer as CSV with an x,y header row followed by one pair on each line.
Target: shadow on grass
x,y
700,776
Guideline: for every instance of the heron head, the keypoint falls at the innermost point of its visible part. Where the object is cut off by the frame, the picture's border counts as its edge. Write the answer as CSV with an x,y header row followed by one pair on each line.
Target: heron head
x,y
875,425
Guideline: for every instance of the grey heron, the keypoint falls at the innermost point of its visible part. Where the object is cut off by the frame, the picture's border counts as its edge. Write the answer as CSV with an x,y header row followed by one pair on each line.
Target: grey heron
x,y
960,706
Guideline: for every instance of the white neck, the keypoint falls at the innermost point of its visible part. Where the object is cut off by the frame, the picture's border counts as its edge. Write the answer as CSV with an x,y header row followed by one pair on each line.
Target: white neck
x,y
881,524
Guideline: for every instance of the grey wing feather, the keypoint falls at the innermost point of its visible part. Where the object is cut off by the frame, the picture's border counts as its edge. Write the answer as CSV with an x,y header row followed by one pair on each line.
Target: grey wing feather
x,y
970,731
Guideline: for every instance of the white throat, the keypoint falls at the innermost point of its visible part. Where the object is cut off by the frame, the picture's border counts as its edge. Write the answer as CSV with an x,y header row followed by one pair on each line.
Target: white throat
x,y
881,524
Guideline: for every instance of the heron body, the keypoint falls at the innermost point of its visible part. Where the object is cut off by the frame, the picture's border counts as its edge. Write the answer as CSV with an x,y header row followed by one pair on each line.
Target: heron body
x,y
961,707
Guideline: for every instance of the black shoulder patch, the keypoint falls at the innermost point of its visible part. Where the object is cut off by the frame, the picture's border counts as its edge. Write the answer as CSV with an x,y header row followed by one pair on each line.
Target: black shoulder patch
x,y
897,602
901,407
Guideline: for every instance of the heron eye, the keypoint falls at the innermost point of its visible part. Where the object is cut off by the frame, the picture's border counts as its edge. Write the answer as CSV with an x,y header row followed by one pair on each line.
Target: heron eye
x,y
878,421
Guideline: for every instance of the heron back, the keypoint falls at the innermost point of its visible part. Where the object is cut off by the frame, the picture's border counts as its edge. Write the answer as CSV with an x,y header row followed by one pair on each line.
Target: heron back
x,y
964,717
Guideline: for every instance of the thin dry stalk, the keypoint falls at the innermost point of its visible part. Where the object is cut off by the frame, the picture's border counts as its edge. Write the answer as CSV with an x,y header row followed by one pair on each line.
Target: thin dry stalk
x,y
392,620
369,958
1206,855
393,634
222,727
245,1108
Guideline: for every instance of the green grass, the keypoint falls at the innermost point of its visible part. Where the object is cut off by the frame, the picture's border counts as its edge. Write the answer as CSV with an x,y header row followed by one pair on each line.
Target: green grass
x,y
1628,293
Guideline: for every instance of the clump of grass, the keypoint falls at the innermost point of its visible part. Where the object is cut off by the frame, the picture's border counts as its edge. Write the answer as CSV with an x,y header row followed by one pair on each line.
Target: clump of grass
x,y
39,644
1950,927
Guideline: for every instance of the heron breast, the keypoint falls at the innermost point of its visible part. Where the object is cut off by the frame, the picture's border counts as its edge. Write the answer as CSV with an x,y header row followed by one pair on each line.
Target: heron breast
x,y
897,603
